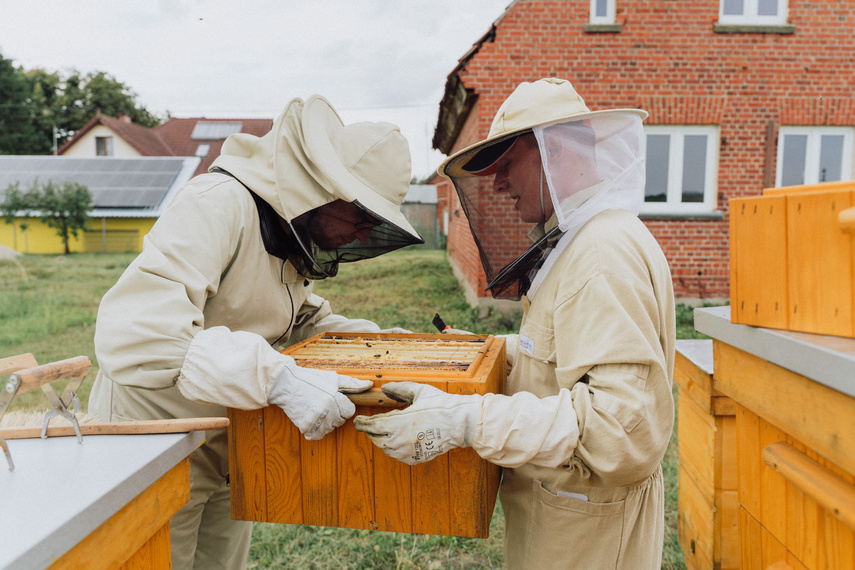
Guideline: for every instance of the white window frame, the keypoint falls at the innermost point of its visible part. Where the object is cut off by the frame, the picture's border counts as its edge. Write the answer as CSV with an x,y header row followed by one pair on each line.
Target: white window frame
x,y
673,198
812,152
750,17
609,18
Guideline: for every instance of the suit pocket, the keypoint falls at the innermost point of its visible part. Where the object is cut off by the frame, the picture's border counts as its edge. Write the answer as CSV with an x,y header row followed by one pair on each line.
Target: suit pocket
x,y
566,532
537,341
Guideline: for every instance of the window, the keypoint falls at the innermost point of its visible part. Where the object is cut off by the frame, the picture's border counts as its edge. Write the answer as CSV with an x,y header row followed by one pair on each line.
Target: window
x,y
202,150
681,167
753,12
103,146
808,155
603,11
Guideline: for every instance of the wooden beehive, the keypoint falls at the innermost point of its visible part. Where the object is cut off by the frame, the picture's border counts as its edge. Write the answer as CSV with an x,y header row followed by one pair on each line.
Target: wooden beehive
x,y
707,498
344,480
791,259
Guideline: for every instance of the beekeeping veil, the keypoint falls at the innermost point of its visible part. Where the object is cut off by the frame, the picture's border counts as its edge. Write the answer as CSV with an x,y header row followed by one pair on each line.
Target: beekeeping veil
x,y
591,161
310,158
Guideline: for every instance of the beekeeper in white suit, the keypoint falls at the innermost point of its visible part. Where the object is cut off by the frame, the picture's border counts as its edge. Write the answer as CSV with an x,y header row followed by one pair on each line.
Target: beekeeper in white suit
x,y
588,411
225,279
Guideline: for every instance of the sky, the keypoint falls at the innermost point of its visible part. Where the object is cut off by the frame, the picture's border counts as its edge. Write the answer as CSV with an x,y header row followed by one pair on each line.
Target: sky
x,y
374,60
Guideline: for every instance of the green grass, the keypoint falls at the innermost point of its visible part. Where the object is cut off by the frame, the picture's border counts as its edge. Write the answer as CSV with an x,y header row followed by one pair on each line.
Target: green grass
x,y
48,306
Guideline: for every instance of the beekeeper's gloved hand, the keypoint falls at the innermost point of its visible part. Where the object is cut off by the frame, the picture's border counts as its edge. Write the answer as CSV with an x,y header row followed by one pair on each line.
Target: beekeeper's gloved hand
x,y
449,330
434,423
314,399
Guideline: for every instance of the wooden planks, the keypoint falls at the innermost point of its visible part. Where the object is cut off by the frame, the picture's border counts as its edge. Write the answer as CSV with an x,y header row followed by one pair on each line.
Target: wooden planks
x,y
791,253
138,535
707,490
779,511
758,261
821,417
344,480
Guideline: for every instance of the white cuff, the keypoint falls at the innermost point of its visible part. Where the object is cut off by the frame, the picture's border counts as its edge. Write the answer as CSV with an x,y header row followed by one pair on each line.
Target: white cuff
x,y
519,429
226,368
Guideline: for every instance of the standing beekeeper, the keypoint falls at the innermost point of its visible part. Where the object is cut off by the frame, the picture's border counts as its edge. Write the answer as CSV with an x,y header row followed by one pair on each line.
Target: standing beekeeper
x,y
225,278
588,411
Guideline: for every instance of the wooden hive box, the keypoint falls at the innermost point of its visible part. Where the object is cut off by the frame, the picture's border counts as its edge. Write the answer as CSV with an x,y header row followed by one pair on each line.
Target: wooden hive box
x,y
344,480
707,499
792,259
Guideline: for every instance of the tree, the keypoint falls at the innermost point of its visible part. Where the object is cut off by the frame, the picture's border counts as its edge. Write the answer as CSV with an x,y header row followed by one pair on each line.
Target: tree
x,y
19,204
85,95
19,133
11,207
36,104
64,207
45,92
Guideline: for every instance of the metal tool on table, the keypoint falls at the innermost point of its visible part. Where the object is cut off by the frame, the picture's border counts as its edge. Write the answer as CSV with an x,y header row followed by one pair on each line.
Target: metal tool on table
x,y
22,381
7,366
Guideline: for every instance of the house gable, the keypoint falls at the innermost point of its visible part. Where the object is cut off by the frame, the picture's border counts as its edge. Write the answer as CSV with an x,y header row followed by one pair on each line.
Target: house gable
x,y
87,144
198,137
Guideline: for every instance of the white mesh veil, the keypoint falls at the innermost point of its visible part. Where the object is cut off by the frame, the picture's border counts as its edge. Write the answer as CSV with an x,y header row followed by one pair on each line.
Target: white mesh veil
x,y
589,166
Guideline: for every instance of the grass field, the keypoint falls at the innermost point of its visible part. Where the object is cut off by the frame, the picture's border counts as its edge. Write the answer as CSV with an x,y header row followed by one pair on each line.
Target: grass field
x,y
48,306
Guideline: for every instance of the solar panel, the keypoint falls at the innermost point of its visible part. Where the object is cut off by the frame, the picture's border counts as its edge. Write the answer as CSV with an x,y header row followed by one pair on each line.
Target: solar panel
x,y
215,130
114,182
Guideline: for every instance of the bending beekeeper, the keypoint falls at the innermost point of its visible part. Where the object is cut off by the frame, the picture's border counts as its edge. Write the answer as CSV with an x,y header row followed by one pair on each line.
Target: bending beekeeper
x,y
225,280
587,411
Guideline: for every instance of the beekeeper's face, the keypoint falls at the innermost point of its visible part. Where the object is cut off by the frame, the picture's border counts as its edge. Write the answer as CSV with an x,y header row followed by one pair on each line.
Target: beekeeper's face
x,y
519,174
340,223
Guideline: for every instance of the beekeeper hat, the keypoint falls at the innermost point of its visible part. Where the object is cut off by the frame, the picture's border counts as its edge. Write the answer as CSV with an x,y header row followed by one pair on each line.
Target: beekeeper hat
x,y
531,105
366,162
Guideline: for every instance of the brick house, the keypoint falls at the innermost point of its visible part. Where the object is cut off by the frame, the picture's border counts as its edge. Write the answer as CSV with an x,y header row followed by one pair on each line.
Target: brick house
x,y
742,95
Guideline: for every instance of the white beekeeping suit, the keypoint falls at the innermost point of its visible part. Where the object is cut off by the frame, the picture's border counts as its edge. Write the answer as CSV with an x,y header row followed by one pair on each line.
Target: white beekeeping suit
x,y
587,411
225,280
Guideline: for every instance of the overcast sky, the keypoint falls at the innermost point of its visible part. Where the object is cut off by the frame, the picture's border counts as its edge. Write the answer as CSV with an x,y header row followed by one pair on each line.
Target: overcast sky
x,y
373,60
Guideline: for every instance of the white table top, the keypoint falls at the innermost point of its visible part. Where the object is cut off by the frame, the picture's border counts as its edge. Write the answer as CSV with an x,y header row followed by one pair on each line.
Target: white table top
x,y
699,352
61,491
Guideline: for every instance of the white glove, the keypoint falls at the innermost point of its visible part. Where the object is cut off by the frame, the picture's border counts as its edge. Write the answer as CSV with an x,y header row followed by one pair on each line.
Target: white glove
x,y
314,399
339,323
449,330
435,422
512,345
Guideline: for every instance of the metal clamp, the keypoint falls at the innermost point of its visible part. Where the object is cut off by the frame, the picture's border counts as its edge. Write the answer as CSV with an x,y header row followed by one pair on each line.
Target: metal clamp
x,y
22,381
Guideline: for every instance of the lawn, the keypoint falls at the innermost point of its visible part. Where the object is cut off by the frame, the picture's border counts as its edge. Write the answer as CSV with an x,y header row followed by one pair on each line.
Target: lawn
x,y
48,306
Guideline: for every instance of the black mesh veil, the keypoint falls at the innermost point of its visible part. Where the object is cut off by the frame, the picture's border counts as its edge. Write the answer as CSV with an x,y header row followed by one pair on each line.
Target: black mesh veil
x,y
587,167
314,262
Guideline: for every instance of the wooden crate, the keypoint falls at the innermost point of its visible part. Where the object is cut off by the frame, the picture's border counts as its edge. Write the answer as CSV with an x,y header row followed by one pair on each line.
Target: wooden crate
x,y
344,480
791,259
795,467
707,484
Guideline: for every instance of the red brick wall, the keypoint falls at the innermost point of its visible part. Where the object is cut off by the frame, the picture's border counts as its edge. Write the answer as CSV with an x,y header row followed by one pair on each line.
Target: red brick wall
x,y
668,60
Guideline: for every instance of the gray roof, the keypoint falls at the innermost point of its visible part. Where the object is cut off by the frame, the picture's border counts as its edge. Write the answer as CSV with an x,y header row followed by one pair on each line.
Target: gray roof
x,y
121,187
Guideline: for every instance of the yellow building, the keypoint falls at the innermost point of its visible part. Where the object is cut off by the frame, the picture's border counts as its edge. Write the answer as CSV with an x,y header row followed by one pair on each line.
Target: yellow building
x,y
128,195
132,171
